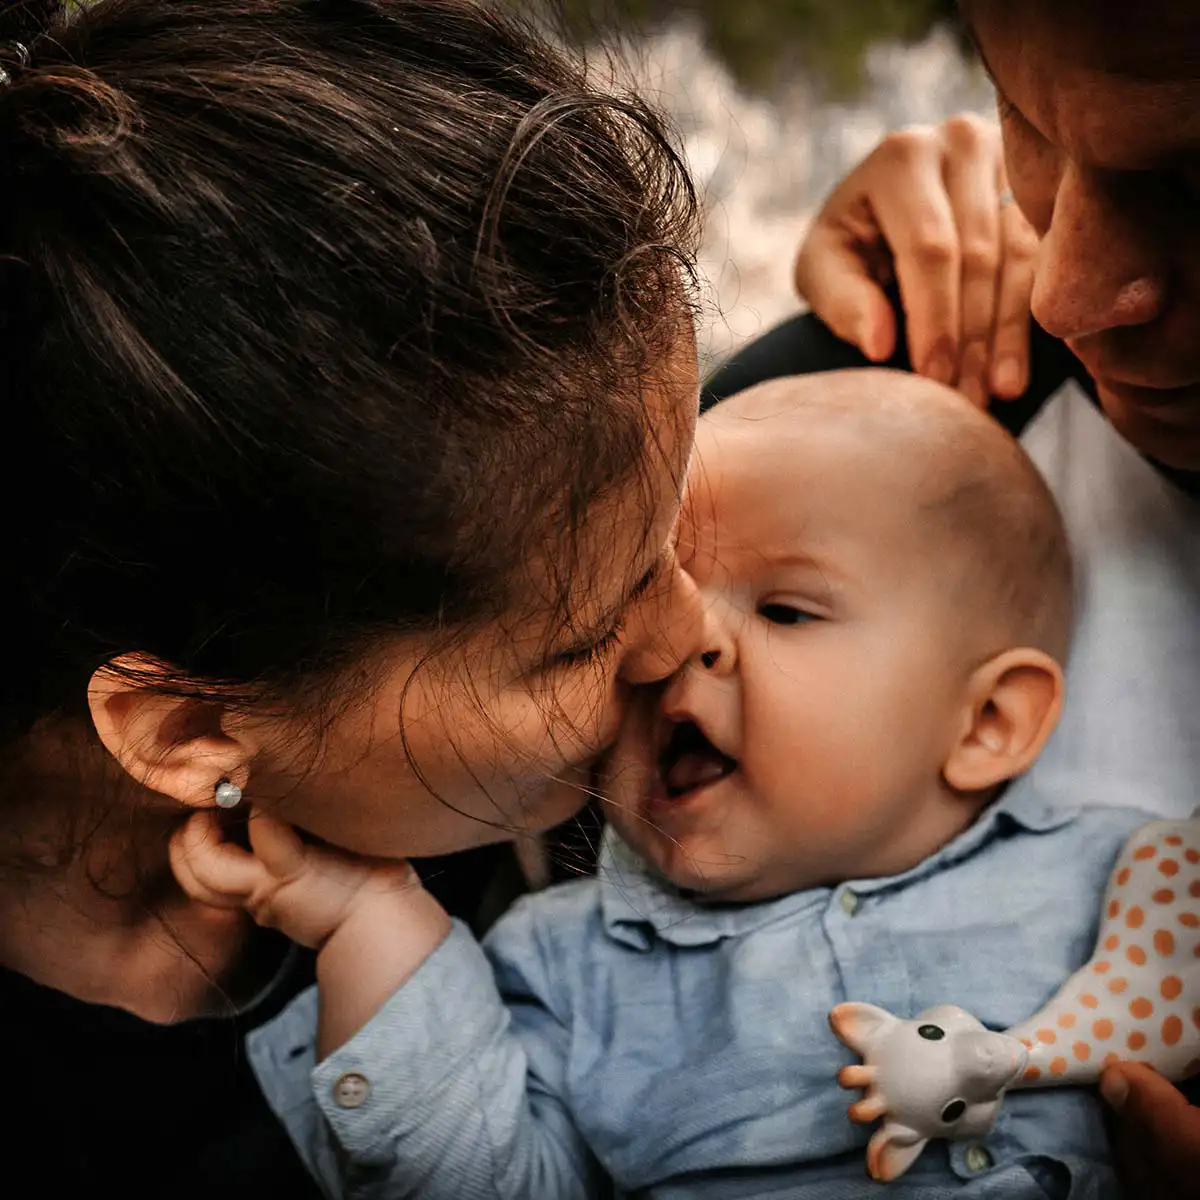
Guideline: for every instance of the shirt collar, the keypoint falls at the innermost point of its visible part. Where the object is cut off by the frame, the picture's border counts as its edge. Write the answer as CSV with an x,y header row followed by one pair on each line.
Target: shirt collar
x,y
639,906
1021,806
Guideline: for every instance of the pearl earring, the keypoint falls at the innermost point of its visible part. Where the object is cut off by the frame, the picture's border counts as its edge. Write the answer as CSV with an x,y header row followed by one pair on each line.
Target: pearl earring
x,y
227,795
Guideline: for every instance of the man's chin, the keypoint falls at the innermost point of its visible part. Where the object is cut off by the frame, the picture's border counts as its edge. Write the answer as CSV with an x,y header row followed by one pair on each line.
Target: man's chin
x,y
1168,434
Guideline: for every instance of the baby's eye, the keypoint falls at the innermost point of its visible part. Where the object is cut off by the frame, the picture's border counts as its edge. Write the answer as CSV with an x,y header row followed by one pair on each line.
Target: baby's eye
x,y
784,614
953,1111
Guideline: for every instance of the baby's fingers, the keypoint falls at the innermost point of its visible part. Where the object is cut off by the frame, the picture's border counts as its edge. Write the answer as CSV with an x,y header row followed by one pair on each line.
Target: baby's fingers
x,y
277,845
210,869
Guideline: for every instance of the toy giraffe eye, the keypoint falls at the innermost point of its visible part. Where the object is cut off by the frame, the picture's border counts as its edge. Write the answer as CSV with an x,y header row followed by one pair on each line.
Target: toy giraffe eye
x,y
953,1111
931,1033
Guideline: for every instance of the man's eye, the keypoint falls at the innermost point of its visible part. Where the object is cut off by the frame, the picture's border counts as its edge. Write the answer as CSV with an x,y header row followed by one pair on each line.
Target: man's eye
x,y
784,614
1005,108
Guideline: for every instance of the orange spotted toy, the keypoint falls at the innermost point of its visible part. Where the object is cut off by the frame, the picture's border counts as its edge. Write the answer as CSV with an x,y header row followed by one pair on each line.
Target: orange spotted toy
x,y
943,1075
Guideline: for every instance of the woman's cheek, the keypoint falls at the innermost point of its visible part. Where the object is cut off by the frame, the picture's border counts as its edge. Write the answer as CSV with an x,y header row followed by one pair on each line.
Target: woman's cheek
x,y
592,712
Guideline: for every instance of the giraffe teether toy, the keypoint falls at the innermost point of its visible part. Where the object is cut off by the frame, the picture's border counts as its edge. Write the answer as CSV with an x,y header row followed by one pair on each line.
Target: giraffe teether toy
x,y
943,1075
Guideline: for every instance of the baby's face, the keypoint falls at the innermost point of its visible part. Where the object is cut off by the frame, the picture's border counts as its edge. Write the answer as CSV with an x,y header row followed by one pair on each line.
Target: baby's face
x,y
805,746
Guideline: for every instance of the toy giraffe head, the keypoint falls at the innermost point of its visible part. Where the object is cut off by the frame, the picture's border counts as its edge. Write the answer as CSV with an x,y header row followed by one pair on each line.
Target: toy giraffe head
x,y
944,1075
941,1074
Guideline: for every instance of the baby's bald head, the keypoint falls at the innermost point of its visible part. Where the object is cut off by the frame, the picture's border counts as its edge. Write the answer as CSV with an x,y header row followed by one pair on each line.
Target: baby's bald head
x,y
973,497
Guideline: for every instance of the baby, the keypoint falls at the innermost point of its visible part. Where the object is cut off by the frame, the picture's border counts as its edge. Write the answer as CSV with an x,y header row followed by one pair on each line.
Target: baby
x,y
829,804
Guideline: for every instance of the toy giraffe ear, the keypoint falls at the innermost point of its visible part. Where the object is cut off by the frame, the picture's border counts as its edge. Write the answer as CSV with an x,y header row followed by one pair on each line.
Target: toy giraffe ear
x,y
860,1025
892,1150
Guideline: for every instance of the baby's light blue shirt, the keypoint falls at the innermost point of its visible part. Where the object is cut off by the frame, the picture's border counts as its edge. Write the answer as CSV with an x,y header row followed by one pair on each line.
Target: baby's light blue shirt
x,y
683,1051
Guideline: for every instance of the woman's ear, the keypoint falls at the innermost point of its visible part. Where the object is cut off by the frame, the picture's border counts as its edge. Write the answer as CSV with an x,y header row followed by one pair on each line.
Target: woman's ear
x,y
1013,704
175,745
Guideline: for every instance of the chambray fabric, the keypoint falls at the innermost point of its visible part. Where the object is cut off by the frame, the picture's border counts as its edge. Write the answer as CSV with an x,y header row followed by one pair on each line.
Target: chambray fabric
x,y
684,1051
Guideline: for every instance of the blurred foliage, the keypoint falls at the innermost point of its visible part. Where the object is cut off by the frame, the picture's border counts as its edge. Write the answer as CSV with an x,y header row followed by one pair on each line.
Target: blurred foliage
x,y
762,42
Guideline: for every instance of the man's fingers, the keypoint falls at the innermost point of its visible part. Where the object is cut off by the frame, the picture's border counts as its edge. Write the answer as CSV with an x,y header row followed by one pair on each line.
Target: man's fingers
x,y
971,185
1154,1121
833,276
1010,341
919,227
210,869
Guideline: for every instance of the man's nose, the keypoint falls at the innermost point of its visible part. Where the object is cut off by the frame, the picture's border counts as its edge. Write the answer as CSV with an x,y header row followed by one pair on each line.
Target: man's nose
x,y
1100,266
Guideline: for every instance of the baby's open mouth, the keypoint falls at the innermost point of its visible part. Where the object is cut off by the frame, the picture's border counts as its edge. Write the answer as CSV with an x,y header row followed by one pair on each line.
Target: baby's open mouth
x,y
689,761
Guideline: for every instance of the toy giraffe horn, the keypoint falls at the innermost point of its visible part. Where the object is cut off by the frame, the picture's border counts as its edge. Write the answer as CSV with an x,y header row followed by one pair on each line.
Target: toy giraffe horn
x,y
860,1026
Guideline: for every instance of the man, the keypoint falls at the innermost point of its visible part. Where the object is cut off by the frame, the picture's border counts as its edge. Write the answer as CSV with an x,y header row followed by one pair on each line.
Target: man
x,y
1099,105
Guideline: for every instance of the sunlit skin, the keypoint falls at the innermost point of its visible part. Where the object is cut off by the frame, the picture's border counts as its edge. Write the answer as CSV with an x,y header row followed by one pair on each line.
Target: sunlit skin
x,y
455,748
424,750
1100,113
837,666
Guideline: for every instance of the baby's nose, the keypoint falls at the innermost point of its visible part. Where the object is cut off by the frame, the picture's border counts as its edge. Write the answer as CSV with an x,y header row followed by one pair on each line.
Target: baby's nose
x,y
717,647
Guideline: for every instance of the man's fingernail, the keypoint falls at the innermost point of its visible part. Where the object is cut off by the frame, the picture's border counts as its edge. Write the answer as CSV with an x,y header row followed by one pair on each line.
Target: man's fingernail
x,y
864,335
974,391
1006,377
1115,1089
939,366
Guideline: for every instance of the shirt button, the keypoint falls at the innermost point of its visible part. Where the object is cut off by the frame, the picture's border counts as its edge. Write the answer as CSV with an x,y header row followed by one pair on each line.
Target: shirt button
x,y
978,1158
850,902
351,1090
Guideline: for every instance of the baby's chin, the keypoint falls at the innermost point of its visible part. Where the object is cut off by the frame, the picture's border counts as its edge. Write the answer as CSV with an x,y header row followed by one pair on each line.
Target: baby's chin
x,y
741,891
706,876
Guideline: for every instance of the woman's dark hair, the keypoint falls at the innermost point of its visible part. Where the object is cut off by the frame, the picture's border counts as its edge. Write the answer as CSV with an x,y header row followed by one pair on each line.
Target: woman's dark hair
x,y
317,317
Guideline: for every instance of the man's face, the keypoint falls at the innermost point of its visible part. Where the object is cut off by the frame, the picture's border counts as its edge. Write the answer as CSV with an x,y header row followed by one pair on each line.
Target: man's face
x,y
1100,108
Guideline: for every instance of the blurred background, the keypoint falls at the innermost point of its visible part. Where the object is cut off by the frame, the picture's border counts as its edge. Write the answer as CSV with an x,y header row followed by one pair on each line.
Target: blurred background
x,y
776,100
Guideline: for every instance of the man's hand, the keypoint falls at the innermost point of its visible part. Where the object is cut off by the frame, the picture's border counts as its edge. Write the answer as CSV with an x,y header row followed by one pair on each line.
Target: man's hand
x,y
930,209
1156,1134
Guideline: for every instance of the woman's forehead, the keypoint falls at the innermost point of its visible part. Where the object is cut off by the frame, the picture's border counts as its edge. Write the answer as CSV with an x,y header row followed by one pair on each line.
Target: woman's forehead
x,y
611,559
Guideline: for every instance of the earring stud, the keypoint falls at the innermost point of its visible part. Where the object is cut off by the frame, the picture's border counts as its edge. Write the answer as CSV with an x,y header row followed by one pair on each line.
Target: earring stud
x,y
227,795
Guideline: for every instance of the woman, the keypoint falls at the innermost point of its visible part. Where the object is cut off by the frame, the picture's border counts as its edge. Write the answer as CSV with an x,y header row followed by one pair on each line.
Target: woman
x,y
351,385
1097,107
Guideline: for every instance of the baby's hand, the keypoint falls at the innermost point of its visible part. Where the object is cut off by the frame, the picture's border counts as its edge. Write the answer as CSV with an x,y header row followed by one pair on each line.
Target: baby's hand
x,y
308,892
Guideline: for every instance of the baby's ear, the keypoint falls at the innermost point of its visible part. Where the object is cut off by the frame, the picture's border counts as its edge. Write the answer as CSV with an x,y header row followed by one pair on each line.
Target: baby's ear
x,y
1012,706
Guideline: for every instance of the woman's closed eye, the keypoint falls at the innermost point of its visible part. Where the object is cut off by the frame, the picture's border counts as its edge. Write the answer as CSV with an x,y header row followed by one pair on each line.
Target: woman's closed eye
x,y
777,612
580,655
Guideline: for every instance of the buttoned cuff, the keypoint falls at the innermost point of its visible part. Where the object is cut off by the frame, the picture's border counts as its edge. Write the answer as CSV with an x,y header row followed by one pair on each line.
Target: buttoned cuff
x,y
419,1042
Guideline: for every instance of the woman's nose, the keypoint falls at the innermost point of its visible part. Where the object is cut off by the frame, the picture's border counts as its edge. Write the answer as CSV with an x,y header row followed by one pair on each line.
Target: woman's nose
x,y
668,630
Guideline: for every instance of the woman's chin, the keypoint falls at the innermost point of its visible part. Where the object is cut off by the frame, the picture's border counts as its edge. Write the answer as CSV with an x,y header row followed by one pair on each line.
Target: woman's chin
x,y
562,801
